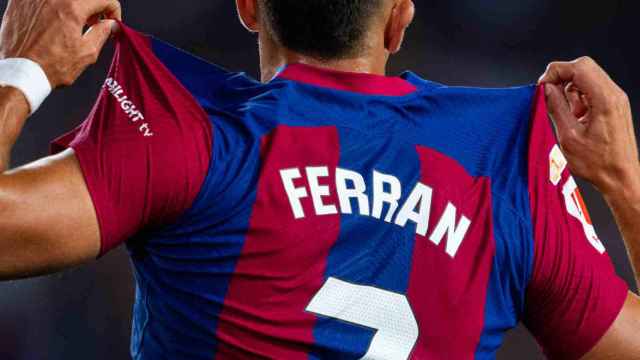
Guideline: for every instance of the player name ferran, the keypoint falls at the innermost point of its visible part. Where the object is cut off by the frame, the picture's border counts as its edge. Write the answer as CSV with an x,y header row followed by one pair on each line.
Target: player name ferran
x,y
386,190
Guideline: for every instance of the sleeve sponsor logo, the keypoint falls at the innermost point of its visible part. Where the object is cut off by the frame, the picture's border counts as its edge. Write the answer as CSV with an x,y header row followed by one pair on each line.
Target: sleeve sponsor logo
x,y
557,164
130,109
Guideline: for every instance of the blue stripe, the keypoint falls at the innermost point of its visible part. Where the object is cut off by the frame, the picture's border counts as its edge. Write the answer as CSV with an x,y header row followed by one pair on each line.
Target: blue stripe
x,y
183,271
513,262
368,251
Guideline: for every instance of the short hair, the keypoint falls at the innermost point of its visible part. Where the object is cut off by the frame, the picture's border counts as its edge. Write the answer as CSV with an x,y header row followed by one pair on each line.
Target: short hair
x,y
325,29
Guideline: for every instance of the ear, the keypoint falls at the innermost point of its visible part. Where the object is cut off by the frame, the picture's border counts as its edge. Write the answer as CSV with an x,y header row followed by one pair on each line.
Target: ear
x,y
248,14
401,17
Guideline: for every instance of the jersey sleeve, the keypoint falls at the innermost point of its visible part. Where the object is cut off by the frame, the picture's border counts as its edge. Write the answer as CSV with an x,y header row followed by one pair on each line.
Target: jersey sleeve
x,y
144,149
574,294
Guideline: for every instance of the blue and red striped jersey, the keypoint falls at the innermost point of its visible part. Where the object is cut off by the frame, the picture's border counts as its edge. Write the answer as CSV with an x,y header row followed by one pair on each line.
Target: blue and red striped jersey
x,y
329,215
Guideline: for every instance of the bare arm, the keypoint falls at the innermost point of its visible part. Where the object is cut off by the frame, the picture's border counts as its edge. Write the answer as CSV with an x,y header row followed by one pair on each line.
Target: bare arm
x,y
47,219
595,129
35,236
14,111
624,202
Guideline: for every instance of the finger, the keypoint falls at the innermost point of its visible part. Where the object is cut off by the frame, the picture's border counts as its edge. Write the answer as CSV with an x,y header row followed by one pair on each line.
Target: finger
x,y
90,22
111,9
93,20
563,72
96,37
586,75
558,73
560,111
576,101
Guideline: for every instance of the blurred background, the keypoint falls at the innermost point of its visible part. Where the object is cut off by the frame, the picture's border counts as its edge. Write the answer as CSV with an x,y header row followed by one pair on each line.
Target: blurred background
x,y
85,313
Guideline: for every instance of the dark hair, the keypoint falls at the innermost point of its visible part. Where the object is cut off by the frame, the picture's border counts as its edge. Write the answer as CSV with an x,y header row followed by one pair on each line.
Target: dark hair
x,y
326,29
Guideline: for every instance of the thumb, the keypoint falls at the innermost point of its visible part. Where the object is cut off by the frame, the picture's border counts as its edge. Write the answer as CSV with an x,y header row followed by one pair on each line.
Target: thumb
x,y
98,34
559,110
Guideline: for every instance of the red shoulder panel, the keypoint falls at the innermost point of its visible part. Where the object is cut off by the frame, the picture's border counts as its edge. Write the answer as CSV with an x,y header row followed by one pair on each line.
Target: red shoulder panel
x,y
145,148
574,294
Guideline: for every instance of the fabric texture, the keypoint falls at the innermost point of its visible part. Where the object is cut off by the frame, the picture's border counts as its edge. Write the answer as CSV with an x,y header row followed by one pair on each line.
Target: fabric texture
x,y
328,215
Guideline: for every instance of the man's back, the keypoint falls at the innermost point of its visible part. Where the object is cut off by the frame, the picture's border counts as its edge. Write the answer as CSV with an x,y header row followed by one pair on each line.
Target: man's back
x,y
338,215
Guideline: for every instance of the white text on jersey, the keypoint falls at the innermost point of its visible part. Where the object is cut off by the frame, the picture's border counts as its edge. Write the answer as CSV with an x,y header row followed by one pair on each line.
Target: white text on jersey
x,y
387,189
127,106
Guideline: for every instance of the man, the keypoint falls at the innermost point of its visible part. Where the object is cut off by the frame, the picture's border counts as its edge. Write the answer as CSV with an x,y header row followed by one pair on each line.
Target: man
x,y
330,211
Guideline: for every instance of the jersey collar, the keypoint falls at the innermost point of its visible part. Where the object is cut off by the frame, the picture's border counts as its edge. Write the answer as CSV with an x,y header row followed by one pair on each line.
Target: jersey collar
x,y
362,83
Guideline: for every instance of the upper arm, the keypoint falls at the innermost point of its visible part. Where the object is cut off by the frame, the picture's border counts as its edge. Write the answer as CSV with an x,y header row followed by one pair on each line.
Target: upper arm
x,y
47,219
145,148
621,340
138,161
574,294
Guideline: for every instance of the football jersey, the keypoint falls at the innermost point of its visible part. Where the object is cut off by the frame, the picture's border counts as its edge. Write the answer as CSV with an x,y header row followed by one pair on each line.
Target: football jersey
x,y
331,215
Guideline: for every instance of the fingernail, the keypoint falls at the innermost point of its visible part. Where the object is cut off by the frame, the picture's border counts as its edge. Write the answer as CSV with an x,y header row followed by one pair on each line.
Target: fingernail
x,y
547,89
115,27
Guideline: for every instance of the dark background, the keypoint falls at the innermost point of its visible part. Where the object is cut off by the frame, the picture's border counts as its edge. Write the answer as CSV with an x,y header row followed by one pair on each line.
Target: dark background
x,y
85,313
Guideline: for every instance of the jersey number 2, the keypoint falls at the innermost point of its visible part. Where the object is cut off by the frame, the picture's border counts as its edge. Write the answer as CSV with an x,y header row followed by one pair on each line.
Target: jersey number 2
x,y
387,312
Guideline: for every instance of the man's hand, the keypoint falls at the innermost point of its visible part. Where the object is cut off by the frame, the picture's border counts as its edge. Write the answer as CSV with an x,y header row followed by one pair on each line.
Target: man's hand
x,y
595,129
593,120
50,32
39,238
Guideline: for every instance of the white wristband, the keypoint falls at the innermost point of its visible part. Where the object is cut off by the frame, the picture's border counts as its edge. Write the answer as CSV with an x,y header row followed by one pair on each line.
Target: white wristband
x,y
28,77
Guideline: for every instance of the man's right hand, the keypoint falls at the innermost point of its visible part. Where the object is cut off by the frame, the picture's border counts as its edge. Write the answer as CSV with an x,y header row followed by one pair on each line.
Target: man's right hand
x,y
50,32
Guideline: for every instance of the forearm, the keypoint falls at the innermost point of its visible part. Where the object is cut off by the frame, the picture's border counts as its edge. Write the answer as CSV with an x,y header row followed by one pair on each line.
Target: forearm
x,y
14,111
624,202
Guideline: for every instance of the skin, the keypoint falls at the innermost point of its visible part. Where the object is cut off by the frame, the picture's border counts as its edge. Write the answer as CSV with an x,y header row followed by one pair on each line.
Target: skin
x,y
591,113
38,238
384,39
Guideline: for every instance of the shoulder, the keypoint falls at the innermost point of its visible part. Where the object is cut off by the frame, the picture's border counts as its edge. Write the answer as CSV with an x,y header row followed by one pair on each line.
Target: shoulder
x,y
190,87
474,93
211,85
493,136
486,129
491,106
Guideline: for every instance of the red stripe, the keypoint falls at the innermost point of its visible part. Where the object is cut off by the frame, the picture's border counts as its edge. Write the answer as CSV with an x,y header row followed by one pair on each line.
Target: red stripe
x,y
574,294
283,260
363,83
448,294
144,169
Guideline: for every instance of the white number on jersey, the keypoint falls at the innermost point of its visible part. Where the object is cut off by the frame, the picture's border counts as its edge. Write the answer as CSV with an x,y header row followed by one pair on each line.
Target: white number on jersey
x,y
387,312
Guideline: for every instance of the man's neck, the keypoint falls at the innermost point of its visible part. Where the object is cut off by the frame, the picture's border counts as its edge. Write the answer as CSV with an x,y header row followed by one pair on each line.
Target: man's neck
x,y
365,64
